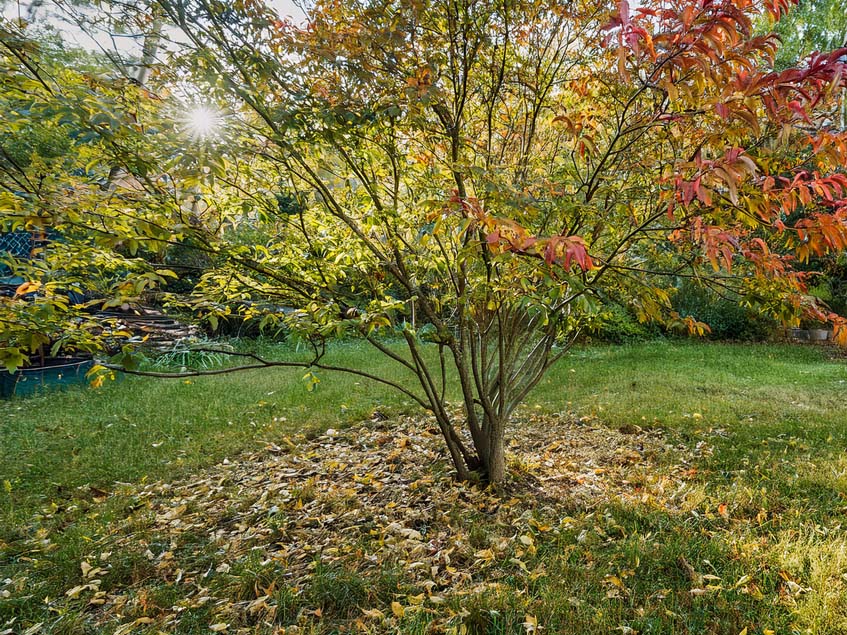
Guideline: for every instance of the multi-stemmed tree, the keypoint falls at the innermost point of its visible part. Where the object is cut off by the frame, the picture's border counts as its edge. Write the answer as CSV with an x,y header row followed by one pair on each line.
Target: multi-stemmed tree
x,y
482,177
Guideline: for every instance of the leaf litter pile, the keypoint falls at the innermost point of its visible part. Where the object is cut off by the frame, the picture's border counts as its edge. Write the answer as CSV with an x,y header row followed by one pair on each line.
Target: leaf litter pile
x,y
364,530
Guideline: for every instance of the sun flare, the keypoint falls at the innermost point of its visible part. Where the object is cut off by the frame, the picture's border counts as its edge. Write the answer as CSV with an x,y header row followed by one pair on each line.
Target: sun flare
x,y
203,121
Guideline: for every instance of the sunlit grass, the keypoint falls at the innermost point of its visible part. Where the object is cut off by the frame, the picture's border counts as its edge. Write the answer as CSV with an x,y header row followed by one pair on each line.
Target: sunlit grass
x,y
760,427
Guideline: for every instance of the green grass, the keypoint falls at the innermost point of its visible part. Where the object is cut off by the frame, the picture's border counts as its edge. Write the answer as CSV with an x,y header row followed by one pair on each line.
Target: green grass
x,y
148,428
760,426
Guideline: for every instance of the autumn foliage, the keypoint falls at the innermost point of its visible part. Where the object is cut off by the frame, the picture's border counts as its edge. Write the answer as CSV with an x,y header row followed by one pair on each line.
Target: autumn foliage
x,y
481,179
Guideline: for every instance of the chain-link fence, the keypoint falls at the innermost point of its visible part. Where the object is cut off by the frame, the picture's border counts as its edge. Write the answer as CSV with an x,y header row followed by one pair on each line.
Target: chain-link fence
x,y
18,244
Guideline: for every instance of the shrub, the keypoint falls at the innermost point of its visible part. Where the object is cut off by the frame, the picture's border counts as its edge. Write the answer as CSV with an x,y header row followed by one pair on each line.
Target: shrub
x,y
618,325
192,353
728,318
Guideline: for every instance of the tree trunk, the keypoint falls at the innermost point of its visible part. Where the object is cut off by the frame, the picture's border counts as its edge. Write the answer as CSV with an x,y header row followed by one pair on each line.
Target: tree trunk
x,y
492,451
488,458
149,50
495,465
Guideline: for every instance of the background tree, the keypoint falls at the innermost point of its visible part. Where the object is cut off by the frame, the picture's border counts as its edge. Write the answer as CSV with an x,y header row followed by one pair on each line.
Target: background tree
x,y
813,25
67,128
818,25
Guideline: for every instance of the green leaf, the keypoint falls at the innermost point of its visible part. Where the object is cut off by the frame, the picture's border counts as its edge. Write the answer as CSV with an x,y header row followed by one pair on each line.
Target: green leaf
x,y
12,358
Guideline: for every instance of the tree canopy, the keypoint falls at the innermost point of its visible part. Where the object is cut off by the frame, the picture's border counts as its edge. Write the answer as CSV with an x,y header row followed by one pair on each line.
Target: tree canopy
x,y
814,25
478,177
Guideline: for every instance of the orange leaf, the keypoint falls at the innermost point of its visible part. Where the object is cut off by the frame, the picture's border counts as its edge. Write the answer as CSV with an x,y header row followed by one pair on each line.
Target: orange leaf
x,y
27,287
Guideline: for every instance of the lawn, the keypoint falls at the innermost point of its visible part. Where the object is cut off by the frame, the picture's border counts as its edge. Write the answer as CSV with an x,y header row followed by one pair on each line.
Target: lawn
x,y
656,488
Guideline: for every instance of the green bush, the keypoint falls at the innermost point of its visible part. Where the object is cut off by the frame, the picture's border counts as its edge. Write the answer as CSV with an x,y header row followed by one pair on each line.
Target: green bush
x,y
188,262
728,318
618,325
831,290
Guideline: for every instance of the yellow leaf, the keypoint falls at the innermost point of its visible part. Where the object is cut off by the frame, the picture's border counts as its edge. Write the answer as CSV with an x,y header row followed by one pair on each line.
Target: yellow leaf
x,y
398,609
416,600
743,631
175,512
535,523
741,581
615,581
74,592
99,599
220,626
484,554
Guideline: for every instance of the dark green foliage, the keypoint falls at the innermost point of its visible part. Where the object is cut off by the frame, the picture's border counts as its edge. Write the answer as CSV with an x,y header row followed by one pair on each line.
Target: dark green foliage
x,y
36,142
728,318
618,325
188,262
831,286
289,204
